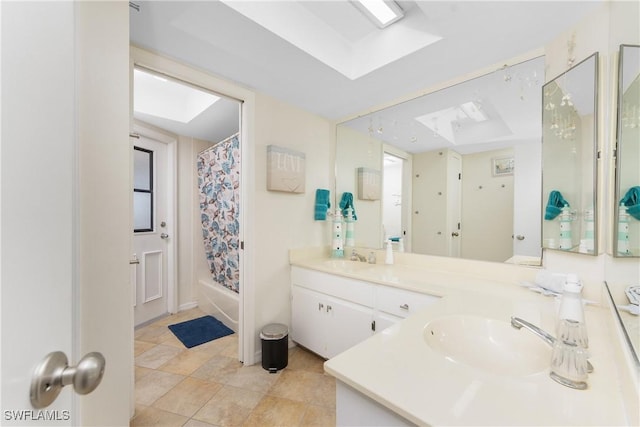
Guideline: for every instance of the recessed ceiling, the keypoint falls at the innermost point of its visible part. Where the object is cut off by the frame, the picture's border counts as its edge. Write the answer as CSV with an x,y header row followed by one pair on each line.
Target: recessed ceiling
x,y
268,58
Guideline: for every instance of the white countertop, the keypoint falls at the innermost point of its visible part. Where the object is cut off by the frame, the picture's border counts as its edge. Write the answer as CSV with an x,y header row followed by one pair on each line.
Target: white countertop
x,y
397,369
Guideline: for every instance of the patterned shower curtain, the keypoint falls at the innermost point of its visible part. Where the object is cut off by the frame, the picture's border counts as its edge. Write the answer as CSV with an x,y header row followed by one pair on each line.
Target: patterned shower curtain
x,y
219,184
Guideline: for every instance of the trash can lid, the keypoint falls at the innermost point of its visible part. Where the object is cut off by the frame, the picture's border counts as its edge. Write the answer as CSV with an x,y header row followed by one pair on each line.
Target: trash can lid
x,y
274,331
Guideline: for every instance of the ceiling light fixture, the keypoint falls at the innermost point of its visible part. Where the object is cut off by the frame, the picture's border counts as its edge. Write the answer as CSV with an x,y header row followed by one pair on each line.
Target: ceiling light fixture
x,y
380,12
169,99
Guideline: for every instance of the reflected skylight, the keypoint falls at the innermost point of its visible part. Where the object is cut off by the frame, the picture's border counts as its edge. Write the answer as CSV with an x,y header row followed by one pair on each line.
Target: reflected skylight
x,y
445,122
168,99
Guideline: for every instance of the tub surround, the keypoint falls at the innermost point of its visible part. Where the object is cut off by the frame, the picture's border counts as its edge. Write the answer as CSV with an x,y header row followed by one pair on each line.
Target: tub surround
x,y
398,371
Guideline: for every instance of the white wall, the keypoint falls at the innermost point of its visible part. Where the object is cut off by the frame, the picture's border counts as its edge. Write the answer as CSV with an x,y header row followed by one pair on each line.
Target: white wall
x,y
284,221
487,208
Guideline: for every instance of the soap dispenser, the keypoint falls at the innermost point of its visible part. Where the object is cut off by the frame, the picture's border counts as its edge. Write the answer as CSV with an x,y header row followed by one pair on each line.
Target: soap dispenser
x,y
569,364
388,259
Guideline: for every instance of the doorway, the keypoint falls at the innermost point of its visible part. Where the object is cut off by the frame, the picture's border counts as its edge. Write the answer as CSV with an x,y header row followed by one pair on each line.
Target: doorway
x,y
396,198
197,119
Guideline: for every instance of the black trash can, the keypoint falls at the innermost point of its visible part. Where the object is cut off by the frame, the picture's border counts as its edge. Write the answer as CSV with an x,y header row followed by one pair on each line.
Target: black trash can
x,y
275,347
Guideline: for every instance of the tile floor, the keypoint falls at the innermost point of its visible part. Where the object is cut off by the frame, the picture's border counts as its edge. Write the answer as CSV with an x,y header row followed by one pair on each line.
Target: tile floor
x,y
207,386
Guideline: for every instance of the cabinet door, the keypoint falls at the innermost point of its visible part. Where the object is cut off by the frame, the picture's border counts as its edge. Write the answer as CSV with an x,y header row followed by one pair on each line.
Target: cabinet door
x,y
308,313
384,320
348,324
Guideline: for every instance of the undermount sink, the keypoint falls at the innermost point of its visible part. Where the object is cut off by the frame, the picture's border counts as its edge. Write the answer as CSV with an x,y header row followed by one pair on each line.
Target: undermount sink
x,y
490,345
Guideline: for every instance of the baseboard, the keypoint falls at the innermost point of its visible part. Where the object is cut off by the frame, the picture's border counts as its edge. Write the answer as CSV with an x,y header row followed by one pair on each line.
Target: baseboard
x,y
187,306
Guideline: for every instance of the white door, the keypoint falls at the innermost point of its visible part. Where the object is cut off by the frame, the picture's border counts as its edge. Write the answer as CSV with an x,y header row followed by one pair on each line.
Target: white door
x,y
348,324
64,201
454,203
150,238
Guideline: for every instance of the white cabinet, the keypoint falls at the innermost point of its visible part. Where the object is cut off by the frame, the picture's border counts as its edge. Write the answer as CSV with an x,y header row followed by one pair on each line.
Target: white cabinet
x,y
331,313
327,325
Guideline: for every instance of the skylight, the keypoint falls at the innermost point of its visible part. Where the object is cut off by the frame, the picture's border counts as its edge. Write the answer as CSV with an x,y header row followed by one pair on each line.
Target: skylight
x,y
382,13
168,99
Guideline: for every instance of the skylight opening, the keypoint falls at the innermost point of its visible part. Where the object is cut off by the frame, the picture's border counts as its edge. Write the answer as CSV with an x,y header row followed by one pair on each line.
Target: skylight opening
x,y
168,99
382,13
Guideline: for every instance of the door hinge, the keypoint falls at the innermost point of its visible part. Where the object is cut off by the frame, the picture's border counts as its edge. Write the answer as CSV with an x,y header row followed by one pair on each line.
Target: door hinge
x,y
458,226
459,176
242,245
373,325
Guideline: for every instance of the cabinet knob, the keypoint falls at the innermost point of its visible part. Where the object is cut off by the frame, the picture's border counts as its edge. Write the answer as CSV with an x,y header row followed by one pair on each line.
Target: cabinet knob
x,y
320,306
405,306
328,308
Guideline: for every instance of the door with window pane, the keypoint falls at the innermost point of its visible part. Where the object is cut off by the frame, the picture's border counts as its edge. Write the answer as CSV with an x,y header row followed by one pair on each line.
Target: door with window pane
x,y
150,229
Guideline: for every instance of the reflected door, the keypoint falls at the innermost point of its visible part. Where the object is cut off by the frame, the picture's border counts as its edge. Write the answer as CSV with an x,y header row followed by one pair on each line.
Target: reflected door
x,y
454,184
527,199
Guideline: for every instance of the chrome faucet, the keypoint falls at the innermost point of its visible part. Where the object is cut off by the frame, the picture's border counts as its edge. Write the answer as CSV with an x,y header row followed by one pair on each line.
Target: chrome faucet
x,y
519,323
355,256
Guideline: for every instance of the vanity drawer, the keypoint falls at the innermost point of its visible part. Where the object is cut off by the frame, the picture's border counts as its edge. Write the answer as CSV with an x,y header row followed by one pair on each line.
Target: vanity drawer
x,y
344,288
401,302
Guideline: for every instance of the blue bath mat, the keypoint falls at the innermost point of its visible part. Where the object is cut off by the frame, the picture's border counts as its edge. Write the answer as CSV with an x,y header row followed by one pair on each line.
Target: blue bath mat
x,y
199,331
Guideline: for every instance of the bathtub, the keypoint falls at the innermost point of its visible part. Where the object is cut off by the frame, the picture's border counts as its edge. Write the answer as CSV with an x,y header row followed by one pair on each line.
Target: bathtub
x,y
219,302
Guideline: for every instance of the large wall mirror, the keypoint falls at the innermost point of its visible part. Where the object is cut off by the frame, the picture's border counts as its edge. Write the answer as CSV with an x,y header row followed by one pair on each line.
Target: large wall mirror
x,y
569,129
627,201
456,172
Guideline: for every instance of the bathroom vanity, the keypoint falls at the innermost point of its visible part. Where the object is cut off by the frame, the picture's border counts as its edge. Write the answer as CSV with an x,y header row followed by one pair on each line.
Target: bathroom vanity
x,y
456,359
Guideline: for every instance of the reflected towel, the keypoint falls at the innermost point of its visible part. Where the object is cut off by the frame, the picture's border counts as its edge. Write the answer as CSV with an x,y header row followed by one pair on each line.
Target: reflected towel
x,y
347,202
322,204
632,201
554,205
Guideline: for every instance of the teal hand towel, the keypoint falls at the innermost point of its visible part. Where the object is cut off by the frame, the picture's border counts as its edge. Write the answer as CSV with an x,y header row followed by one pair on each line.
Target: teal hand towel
x,y
632,201
322,204
347,202
554,205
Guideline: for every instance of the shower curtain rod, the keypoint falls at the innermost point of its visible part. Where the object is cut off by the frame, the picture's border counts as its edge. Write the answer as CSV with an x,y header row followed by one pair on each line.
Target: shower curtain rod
x,y
220,142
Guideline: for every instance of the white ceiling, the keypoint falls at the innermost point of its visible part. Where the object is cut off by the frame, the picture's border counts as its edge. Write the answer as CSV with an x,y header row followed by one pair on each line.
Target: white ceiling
x,y
324,57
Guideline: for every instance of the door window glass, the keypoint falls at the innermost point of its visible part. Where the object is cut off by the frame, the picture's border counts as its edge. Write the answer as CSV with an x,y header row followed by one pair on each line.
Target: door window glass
x,y
142,190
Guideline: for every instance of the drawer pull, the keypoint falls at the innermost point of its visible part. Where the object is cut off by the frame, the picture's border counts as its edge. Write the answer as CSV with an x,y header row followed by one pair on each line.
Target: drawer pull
x,y
405,306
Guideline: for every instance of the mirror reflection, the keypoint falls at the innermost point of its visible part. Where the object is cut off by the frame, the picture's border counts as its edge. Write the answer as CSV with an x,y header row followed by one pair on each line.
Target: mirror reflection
x,y
459,167
627,233
569,159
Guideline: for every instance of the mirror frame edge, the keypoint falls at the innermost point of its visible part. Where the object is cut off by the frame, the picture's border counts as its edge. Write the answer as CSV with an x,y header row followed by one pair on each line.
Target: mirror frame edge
x,y
617,157
597,156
